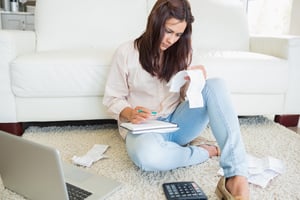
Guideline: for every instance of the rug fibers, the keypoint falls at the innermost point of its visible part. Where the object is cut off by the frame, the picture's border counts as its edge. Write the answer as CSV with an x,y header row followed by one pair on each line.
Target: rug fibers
x,y
261,136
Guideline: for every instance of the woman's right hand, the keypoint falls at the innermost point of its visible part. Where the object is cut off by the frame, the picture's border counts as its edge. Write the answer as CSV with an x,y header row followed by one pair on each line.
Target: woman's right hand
x,y
136,115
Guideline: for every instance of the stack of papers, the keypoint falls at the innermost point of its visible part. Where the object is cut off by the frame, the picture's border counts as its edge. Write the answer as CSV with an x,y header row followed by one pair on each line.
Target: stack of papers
x,y
153,126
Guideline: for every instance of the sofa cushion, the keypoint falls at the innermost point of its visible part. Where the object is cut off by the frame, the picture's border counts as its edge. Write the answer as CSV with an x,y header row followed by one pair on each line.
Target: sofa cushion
x,y
93,23
247,72
83,73
220,25
60,73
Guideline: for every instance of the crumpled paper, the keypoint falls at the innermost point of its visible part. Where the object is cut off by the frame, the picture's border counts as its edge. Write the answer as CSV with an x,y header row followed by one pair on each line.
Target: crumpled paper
x,y
262,170
93,155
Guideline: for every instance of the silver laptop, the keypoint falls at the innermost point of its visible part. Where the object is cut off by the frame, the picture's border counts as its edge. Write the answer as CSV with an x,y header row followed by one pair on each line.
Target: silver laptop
x,y
36,172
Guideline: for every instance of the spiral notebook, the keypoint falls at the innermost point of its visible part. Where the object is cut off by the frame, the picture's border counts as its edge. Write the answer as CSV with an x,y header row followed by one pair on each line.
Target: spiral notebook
x,y
150,126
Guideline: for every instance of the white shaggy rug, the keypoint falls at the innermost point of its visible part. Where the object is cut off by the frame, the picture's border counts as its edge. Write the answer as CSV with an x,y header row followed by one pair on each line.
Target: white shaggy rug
x,y
262,138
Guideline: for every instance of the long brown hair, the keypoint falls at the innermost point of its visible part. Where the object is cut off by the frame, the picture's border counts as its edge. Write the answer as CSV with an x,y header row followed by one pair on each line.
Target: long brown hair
x,y
178,56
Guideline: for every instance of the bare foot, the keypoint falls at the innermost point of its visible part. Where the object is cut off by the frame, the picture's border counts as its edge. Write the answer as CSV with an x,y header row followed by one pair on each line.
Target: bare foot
x,y
212,150
238,187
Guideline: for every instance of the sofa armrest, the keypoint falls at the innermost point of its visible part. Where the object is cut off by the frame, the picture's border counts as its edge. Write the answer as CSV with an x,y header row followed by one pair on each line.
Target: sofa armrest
x,y
16,42
278,46
288,48
12,44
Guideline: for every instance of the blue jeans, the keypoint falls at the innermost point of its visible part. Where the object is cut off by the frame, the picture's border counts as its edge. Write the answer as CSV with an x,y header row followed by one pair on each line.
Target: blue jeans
x,y
166,151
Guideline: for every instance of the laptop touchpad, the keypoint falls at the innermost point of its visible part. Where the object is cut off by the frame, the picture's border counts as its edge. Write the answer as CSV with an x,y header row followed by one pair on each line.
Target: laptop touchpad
x,y
73,173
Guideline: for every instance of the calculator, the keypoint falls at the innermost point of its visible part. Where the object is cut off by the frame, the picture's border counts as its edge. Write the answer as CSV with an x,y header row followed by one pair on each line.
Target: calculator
x,y
188,190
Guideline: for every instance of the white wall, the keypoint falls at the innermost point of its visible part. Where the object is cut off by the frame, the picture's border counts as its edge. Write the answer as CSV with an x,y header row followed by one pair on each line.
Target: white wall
x,y
295,18
0,19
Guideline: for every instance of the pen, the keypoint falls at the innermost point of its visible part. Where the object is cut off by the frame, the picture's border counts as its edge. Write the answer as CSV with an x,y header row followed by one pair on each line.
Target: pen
x,y
152,113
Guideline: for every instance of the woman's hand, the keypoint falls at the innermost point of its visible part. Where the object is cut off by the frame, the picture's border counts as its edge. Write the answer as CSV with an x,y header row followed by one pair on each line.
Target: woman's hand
x,y
136,115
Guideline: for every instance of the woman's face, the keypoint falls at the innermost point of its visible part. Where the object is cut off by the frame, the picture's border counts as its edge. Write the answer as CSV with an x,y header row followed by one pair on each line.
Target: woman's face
x,y
174,28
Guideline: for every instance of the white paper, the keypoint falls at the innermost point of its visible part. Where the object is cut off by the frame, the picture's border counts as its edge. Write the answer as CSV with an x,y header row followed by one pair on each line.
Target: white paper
x,y
262,170
93,155
153,126
197,82
259,165
177,81
262,179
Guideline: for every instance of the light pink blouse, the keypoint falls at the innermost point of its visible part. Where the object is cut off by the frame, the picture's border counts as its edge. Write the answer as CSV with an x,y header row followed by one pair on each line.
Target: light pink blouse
x,y
129,85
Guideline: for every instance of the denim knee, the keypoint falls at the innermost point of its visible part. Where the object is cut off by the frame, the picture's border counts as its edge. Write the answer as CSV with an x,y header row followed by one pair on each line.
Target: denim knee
x,y
146,152
215,83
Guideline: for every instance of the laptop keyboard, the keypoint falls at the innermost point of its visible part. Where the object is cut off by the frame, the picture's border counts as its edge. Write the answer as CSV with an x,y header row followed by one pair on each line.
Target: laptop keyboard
x,y
76,192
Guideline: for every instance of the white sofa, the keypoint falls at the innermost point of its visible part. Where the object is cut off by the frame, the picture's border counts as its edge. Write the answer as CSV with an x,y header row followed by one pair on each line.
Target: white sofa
x,y
58,72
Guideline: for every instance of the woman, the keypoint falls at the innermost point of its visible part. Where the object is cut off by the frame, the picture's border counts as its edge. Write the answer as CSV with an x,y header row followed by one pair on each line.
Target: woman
x,y
137,85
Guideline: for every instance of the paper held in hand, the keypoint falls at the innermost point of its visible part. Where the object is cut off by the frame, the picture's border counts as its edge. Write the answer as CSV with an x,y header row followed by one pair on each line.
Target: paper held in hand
x,y
197,83
150,126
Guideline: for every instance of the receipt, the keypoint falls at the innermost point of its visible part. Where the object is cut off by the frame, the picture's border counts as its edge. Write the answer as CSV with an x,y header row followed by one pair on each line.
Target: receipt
x,y
197,82
93,155
262,170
